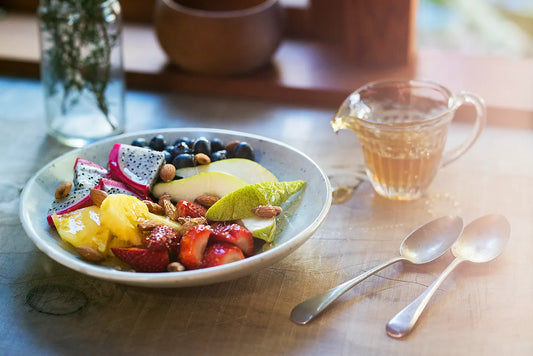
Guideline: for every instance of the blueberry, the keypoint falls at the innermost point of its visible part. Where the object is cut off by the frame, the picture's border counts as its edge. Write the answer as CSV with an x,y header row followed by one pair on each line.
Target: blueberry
x,y
183,160
169,148
219,155
217,145
244,150
202,145
181,147
184,140
168,156
139,142
157,143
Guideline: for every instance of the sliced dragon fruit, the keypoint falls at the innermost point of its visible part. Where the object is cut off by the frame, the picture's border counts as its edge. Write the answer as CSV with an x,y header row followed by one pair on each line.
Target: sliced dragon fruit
x,y
76,199
87,174
137,167
111,186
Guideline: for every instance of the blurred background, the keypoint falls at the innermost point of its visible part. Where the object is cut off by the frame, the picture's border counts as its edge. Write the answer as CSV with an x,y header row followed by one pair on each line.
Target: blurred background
x,y
477,27
329,48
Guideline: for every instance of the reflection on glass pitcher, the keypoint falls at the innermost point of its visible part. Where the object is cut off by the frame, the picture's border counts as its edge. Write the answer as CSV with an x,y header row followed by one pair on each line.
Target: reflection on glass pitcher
x,y
402,127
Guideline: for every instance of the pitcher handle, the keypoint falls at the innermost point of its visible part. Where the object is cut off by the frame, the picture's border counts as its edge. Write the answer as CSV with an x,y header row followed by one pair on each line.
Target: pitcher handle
x,y
481,118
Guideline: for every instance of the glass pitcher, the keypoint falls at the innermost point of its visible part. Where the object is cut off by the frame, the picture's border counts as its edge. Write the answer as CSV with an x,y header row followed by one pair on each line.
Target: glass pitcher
x,y
402,126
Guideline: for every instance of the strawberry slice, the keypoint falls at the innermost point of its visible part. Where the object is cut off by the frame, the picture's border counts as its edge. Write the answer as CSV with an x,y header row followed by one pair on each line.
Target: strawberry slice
x,y
235,234
143,260
221,253
190,209
162,238
192,246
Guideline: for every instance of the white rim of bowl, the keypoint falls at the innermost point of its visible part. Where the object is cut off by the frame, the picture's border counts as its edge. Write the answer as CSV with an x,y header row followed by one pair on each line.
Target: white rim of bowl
x,y
111,274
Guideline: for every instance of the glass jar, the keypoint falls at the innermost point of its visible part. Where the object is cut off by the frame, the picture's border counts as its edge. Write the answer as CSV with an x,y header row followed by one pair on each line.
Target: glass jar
x,y
82,69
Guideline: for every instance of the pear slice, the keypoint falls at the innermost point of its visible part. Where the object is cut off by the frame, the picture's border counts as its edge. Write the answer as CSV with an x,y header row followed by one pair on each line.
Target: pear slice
x,y
216,183
239,203
248,170
261,228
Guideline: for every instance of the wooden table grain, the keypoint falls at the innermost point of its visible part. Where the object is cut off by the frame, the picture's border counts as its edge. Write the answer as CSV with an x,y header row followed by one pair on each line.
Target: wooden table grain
x,y
47,309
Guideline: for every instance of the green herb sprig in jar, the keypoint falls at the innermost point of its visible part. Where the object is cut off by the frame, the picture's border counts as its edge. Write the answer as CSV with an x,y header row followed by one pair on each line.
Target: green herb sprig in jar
x,y
81,58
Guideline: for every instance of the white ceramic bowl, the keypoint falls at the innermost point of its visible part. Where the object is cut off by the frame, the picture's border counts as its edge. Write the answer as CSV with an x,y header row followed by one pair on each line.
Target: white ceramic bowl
x,y
305,213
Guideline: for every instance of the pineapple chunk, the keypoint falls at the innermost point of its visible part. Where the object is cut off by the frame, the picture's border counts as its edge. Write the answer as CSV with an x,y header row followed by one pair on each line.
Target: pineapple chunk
x,y
113,224
120,214
83,228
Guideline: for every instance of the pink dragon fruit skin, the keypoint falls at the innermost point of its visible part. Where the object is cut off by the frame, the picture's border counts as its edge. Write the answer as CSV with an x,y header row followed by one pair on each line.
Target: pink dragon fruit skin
x,y
111,186
75,200
134,169
87,174
137,167
81,198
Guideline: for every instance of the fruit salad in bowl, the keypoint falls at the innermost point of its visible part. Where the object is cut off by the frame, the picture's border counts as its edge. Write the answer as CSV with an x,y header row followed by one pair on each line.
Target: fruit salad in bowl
x,y
175,207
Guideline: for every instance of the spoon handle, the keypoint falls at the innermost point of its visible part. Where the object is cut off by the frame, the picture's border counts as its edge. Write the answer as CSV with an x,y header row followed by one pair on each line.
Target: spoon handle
x,y
403,322
308,309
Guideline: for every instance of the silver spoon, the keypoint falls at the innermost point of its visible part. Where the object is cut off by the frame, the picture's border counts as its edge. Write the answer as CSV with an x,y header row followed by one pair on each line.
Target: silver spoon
x,y
423,245
482,240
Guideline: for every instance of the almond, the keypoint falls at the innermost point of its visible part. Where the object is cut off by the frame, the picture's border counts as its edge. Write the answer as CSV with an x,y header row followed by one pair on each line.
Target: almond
x,y
167,172
267,211
98,196
170,209
187,223
154,208
90,254
202,158
147,225
231,145
206,199
175,267
163,197
63,190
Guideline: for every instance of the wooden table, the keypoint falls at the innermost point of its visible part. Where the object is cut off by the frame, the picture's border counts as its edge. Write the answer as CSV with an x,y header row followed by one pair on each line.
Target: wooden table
x,y
478,310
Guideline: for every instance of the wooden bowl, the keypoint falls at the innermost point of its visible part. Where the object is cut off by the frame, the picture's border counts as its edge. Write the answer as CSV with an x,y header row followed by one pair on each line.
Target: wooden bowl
x,y
217,37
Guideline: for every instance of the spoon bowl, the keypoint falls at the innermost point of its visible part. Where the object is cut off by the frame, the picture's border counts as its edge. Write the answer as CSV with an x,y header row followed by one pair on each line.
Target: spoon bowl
x,y
482,241
431,240
422,245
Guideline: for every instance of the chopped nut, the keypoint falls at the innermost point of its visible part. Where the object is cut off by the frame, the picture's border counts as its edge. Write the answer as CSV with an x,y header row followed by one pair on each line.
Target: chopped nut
x,y
165,196
187,223
63,190
206,199
147,225
175,267
90,254
267,211
202,158
170,209
97,196
154,208
231,145
167,172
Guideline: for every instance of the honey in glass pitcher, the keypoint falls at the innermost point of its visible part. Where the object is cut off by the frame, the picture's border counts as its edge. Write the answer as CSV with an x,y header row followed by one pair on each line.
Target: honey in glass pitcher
x,y
402,127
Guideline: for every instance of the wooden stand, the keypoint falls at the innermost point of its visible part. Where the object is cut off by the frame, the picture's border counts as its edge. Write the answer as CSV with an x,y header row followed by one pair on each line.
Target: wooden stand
x,y
306,69
371,33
